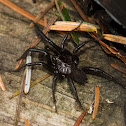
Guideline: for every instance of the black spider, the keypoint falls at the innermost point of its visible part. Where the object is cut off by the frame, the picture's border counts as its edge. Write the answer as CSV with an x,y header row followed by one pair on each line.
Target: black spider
x,y
62,63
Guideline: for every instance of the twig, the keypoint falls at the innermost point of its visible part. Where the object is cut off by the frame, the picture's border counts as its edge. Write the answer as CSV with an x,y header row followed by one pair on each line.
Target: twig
x,y
51,22
17,115
96,103
45,24
49,108
26,121
84,17
43,77
59,10
118,67
38,104
80,118
42,13
18,64
20,10
34,43
2,84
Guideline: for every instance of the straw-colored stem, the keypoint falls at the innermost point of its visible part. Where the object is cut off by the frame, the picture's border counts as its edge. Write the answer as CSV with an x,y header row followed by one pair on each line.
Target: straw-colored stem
x,y
20,10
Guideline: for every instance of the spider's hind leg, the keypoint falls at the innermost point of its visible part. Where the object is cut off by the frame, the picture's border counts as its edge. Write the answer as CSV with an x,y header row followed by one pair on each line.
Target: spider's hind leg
x,y
101,73
73,89
54,90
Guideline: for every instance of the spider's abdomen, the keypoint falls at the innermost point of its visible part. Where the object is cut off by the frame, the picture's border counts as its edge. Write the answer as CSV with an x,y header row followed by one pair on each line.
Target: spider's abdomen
x,y
63,67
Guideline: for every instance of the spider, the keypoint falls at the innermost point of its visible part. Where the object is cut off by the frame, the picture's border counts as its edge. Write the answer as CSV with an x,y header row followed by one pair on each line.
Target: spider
x,y
62,63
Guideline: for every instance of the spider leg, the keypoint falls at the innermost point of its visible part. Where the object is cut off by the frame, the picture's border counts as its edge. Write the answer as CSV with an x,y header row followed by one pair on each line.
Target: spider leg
x,y
101,73
33,64
54,90
36,50
78,47
73,89
66,36
41,34
63,41
51,50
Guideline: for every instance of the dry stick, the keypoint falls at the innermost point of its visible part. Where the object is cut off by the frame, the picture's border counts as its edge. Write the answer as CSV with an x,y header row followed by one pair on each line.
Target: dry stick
x,y
20,10
59,10
42,78
19,100
112,50
27,101
96,104
85,18
51,22
42,13
26,121
80,118
45,24
2,86
118,67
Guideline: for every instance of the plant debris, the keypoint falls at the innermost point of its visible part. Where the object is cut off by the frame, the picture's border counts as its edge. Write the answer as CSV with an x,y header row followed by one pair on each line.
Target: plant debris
x,y
19,101
2,86
115,38
20,10
96,103
69,26
80,118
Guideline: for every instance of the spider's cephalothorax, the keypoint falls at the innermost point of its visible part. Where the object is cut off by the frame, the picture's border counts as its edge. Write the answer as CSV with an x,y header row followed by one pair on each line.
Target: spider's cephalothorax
x,y
62,63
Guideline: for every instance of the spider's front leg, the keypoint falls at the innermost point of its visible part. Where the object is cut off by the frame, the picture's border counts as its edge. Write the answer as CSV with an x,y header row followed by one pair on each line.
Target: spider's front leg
x,y
54,90
41,34
33,64
66,36
36,50
73,89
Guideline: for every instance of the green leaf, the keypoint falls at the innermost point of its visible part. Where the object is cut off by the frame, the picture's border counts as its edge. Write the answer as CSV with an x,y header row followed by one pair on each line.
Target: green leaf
x,y
67,18
75,37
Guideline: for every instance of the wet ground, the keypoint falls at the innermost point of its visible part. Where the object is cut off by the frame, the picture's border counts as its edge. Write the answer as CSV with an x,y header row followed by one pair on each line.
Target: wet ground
x,y
15,36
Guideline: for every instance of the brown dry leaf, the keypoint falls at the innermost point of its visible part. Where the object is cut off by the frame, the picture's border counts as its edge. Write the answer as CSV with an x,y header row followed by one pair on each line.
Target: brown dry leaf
x,y
69,26
2,84
96,104
115,38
